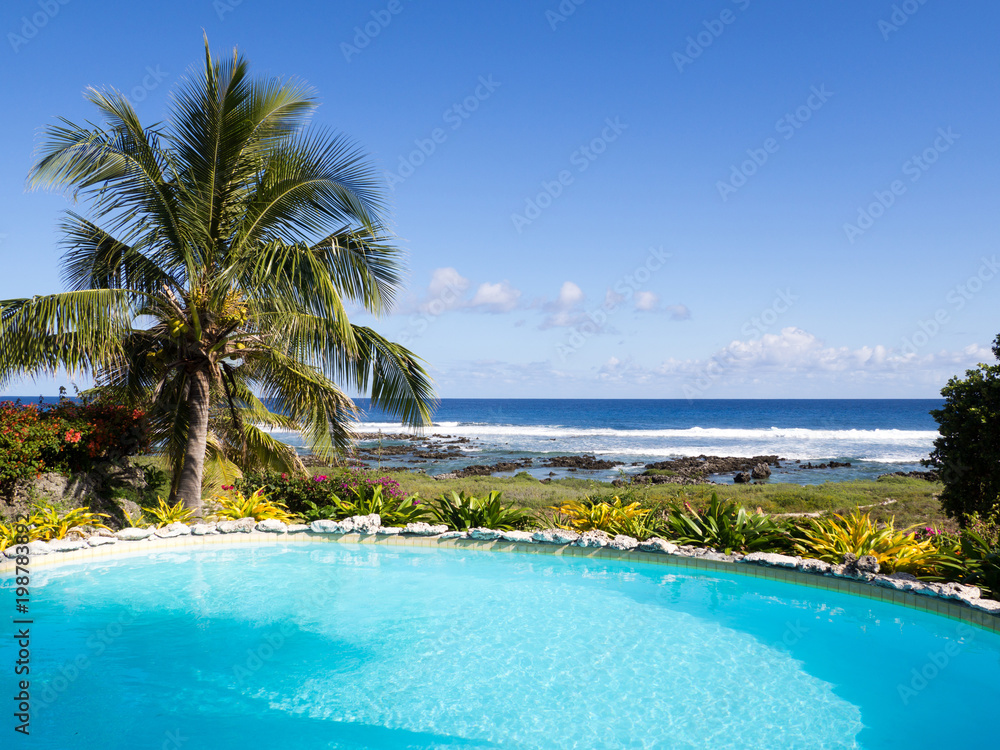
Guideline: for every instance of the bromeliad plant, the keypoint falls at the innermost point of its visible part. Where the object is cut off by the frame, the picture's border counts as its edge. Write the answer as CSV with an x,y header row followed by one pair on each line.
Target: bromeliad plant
x,y
395,510
255,506
165,514
615,517
829,539
47,523
461,512
724,525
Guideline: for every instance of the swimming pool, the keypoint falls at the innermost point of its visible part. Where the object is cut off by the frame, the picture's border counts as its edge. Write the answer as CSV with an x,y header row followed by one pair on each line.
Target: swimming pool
x,y
356,646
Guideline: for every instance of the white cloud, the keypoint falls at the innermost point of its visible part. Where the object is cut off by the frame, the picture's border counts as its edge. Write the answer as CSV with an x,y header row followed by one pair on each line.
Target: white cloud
x,y
569,295
445,280
496,298
646,301
798,353
566,310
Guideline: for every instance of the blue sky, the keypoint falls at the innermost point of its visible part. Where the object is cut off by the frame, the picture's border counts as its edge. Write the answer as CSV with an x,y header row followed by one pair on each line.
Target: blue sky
x,y
725,199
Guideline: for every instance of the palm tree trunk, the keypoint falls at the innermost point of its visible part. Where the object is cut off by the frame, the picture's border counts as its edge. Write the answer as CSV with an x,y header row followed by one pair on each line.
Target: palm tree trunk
x,y
189,487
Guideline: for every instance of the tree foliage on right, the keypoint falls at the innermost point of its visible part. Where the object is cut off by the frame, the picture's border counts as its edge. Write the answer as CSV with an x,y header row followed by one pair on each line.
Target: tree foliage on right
x,y
967,454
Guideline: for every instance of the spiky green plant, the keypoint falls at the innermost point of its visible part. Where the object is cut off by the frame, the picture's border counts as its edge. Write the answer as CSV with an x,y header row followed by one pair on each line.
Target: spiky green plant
x,y
47,522
255,506
461,512
614,517
724,525
830,538
394,511
208,284
165,514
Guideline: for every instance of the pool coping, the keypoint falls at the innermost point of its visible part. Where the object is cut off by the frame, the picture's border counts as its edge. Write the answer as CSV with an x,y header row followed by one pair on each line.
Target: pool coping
x,y
951,608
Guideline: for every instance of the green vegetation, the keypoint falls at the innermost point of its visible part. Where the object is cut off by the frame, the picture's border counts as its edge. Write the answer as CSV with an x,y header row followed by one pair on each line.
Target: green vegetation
x,y
255,506
616,516
911,501
723,525
829,539
394,509
164,514
461,512
967,454
65,437
211,276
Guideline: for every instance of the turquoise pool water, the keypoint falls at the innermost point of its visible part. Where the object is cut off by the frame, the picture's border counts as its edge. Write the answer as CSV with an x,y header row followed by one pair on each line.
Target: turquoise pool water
x,y
352,646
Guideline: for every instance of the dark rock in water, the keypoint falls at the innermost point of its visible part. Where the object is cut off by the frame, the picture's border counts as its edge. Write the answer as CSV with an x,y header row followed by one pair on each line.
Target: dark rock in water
x,y
830,465
930,476
698,467
589,463
478,470
761,471
743,477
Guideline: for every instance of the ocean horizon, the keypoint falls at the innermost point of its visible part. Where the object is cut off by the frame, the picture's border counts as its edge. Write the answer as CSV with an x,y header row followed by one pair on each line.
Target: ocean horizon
x,y
875,436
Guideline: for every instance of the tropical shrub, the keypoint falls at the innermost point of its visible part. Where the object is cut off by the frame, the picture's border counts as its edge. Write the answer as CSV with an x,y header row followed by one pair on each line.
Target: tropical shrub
x,y
829,539
255,505
48,523
461,512
304,495
135,521
67,436
967,453
615,517
29,445
724,525
295,492
394,509
164,514
8,534
981,562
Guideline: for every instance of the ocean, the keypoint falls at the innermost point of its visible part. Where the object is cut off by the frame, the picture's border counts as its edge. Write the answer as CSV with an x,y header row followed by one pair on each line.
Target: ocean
x,y
876,436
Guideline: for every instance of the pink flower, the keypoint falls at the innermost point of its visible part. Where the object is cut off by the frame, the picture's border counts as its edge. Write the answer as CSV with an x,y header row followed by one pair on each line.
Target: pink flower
x,y
227,486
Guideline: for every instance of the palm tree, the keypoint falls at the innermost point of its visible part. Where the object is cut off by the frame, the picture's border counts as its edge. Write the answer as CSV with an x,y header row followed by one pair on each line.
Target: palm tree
x,y
209,283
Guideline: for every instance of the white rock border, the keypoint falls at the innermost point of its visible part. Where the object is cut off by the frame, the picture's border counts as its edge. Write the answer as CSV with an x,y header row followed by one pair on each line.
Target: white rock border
x,y
178,534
